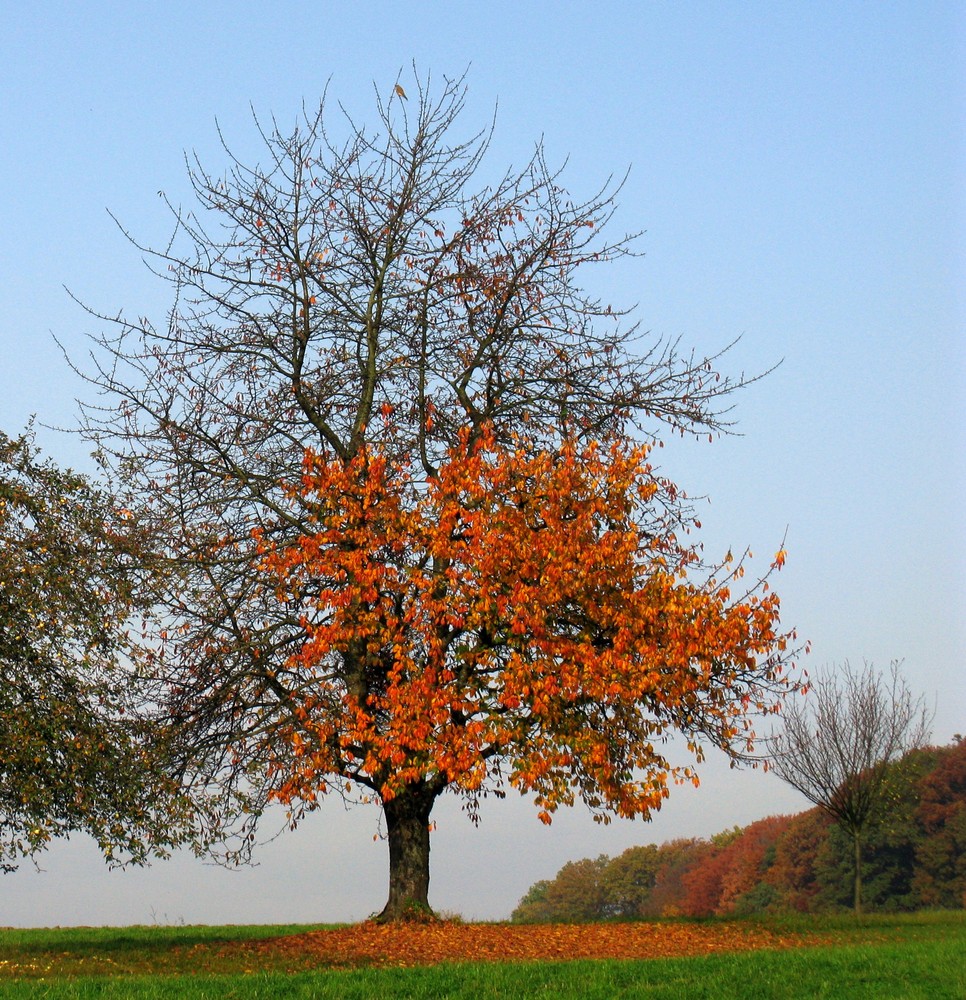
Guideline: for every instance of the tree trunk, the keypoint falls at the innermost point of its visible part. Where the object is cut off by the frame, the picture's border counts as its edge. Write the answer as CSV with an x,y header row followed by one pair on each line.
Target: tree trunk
x,y
857,892
407,827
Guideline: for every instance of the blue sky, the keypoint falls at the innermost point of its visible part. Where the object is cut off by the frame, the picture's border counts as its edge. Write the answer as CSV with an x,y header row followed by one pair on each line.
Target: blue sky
x,y
798,170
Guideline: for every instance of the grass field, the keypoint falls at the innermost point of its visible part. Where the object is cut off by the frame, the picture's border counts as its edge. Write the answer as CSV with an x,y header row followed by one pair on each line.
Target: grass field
x,y
908,956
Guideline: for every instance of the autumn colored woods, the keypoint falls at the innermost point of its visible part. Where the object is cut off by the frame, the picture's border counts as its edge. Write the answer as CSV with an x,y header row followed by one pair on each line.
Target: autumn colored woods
x,y
913,859
413,542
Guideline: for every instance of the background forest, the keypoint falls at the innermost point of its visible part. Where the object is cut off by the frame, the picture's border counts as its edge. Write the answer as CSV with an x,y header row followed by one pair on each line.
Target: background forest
x,y
915,859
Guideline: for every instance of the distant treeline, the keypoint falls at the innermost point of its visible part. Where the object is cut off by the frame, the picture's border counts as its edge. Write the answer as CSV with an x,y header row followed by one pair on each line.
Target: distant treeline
x,y
915,858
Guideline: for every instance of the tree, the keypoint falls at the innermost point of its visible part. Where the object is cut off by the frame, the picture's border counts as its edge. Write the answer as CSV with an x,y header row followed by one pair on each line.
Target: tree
x,y
517,617
575,895
940,877
794,872
676,858
836,749
701,883
382,428
891,844
73,753
747,859
628,880
534,907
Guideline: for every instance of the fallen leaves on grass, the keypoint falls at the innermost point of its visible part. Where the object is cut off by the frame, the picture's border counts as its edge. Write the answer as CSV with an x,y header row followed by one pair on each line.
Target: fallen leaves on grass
x,y
429,944
372,944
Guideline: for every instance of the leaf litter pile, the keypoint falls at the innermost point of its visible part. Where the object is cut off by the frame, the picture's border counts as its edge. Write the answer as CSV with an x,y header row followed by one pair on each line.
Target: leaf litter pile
x,y
451,941
407,944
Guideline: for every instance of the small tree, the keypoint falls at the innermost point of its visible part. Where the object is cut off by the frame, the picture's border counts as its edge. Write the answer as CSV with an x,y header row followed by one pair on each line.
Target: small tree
x,y
74,567
576,895
628,880
389,434
836,747
534,907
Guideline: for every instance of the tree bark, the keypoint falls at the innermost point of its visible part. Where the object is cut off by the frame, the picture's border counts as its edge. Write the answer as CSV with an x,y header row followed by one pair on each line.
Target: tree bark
x,y
857,893
407,827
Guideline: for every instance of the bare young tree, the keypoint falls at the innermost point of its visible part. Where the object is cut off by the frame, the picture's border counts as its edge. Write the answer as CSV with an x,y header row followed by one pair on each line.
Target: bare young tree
x,y
345,296
836,746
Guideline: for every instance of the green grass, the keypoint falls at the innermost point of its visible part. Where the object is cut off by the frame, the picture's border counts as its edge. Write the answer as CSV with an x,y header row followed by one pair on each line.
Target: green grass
x,y
113,950
905,957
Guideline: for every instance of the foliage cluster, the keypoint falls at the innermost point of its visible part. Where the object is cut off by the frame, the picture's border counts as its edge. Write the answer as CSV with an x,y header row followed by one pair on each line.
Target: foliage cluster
x,y
915,858
75,566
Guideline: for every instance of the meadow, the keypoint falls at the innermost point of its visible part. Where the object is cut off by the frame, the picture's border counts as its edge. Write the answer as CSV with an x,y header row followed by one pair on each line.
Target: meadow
x,y
896,956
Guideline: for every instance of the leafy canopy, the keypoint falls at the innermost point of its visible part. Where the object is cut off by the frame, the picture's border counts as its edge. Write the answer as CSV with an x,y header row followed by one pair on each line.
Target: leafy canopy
x,y
73,755
525,613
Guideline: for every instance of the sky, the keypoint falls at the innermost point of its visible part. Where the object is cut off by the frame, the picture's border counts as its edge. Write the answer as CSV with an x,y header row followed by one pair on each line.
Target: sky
x,y
798,173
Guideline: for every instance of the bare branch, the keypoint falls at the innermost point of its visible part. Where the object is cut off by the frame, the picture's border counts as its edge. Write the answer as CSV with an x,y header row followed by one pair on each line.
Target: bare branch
x,y
837,746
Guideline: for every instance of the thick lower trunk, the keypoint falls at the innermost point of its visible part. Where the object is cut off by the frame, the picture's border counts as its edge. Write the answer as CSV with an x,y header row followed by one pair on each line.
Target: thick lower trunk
x,y
407,827
857,889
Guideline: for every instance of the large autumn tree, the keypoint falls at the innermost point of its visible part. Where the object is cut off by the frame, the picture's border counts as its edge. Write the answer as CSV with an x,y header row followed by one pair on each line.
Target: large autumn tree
x,y
389,437
75,568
